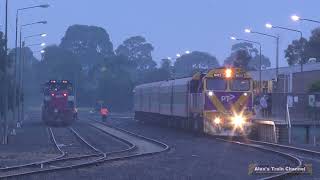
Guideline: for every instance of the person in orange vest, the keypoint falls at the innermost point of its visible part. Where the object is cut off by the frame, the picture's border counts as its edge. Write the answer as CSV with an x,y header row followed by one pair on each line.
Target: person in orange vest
x,y
104,113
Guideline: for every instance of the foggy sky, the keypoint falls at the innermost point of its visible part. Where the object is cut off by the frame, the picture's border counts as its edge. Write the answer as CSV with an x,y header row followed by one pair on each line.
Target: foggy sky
x,y
172,26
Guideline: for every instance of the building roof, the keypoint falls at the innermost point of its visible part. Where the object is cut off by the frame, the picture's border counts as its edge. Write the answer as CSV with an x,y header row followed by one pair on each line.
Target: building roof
x,y
269,74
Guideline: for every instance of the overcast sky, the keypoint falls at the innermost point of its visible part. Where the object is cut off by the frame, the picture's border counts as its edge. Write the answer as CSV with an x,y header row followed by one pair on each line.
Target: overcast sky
x,y
172,26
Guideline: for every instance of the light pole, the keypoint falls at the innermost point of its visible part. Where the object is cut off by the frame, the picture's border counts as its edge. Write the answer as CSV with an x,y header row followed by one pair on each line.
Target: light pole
x,y
270,26
277,46
298,18
21,63
260,57
16,51
21,76
6,81
17,22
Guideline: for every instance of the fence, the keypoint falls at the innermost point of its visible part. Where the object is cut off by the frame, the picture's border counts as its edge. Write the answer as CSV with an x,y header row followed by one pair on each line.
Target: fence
x,y
303,107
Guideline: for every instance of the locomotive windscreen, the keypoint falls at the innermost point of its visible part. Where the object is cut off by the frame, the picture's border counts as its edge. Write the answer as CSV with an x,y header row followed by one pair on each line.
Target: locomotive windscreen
x,y
54,86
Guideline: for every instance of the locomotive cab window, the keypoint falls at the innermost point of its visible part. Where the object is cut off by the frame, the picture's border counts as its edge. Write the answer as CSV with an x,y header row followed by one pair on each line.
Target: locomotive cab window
x,y
216,84
240,85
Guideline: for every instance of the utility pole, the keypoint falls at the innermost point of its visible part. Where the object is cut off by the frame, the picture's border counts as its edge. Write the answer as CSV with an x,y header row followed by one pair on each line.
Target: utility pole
x,y
6,81
277,57
21,97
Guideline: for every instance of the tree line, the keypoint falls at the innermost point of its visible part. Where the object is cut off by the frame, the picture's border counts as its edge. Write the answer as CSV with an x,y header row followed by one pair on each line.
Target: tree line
x,y
86,56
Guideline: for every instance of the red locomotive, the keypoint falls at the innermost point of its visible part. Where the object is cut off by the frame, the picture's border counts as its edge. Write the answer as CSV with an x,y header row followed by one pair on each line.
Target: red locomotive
x,y
59,107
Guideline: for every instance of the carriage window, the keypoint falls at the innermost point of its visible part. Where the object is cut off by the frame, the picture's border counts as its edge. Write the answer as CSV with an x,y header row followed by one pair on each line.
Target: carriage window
x,y
240,85
216,84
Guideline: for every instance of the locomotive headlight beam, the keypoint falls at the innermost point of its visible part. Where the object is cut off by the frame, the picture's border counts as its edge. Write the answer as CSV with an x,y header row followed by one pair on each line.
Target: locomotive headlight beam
x,y
217,120
238,120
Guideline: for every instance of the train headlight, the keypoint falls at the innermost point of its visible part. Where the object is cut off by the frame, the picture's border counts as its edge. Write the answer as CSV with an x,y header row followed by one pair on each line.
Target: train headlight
x,y
238,120
217,120
210,93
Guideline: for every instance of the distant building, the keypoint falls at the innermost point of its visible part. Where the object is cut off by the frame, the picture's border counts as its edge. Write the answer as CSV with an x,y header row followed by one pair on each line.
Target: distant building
x,y
290,78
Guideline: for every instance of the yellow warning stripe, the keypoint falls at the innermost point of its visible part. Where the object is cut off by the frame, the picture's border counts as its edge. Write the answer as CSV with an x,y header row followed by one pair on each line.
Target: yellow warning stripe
x,y
239,102
215,101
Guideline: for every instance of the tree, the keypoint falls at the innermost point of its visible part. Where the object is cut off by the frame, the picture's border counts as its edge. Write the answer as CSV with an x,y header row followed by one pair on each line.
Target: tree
x,y
296,52
315,87
313,45
245,55
196,61
251,50
59,63
255,62
26,54
138,50
115,85
90,44
239,58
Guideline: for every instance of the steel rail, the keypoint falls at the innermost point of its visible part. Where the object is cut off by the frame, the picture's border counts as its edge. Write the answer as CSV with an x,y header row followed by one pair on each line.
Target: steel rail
x,y
297,161
56,159
107,158
131,147
62,154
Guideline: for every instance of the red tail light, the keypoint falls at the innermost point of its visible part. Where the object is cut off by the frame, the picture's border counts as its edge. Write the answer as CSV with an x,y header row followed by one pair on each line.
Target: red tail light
x,y
52,94
65,94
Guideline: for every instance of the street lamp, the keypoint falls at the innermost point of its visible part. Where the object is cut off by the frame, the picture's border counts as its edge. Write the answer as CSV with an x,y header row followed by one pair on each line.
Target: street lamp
x,y
270,26
260,54
277,46
298,18
38,44
36,35
17,21
20,58
6,80
16,47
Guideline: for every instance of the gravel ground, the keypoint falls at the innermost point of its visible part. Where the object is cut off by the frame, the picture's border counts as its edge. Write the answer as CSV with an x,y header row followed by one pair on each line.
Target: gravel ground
x,y
70,143
32,143
98,139
190,157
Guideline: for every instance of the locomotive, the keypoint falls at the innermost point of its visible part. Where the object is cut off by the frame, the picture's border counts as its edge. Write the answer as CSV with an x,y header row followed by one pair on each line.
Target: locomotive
x,y
59,107
219,102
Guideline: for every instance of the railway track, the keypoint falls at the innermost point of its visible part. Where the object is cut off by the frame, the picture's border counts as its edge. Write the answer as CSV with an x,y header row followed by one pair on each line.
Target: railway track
x,y
65,159
69,158
293,154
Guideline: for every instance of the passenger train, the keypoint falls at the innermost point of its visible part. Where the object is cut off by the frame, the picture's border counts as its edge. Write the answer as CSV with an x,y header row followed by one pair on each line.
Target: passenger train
x,y
59,107
219,102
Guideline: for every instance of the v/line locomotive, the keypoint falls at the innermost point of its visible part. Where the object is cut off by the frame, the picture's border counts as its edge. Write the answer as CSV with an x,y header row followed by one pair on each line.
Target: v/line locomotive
x,y
59,107
219,102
